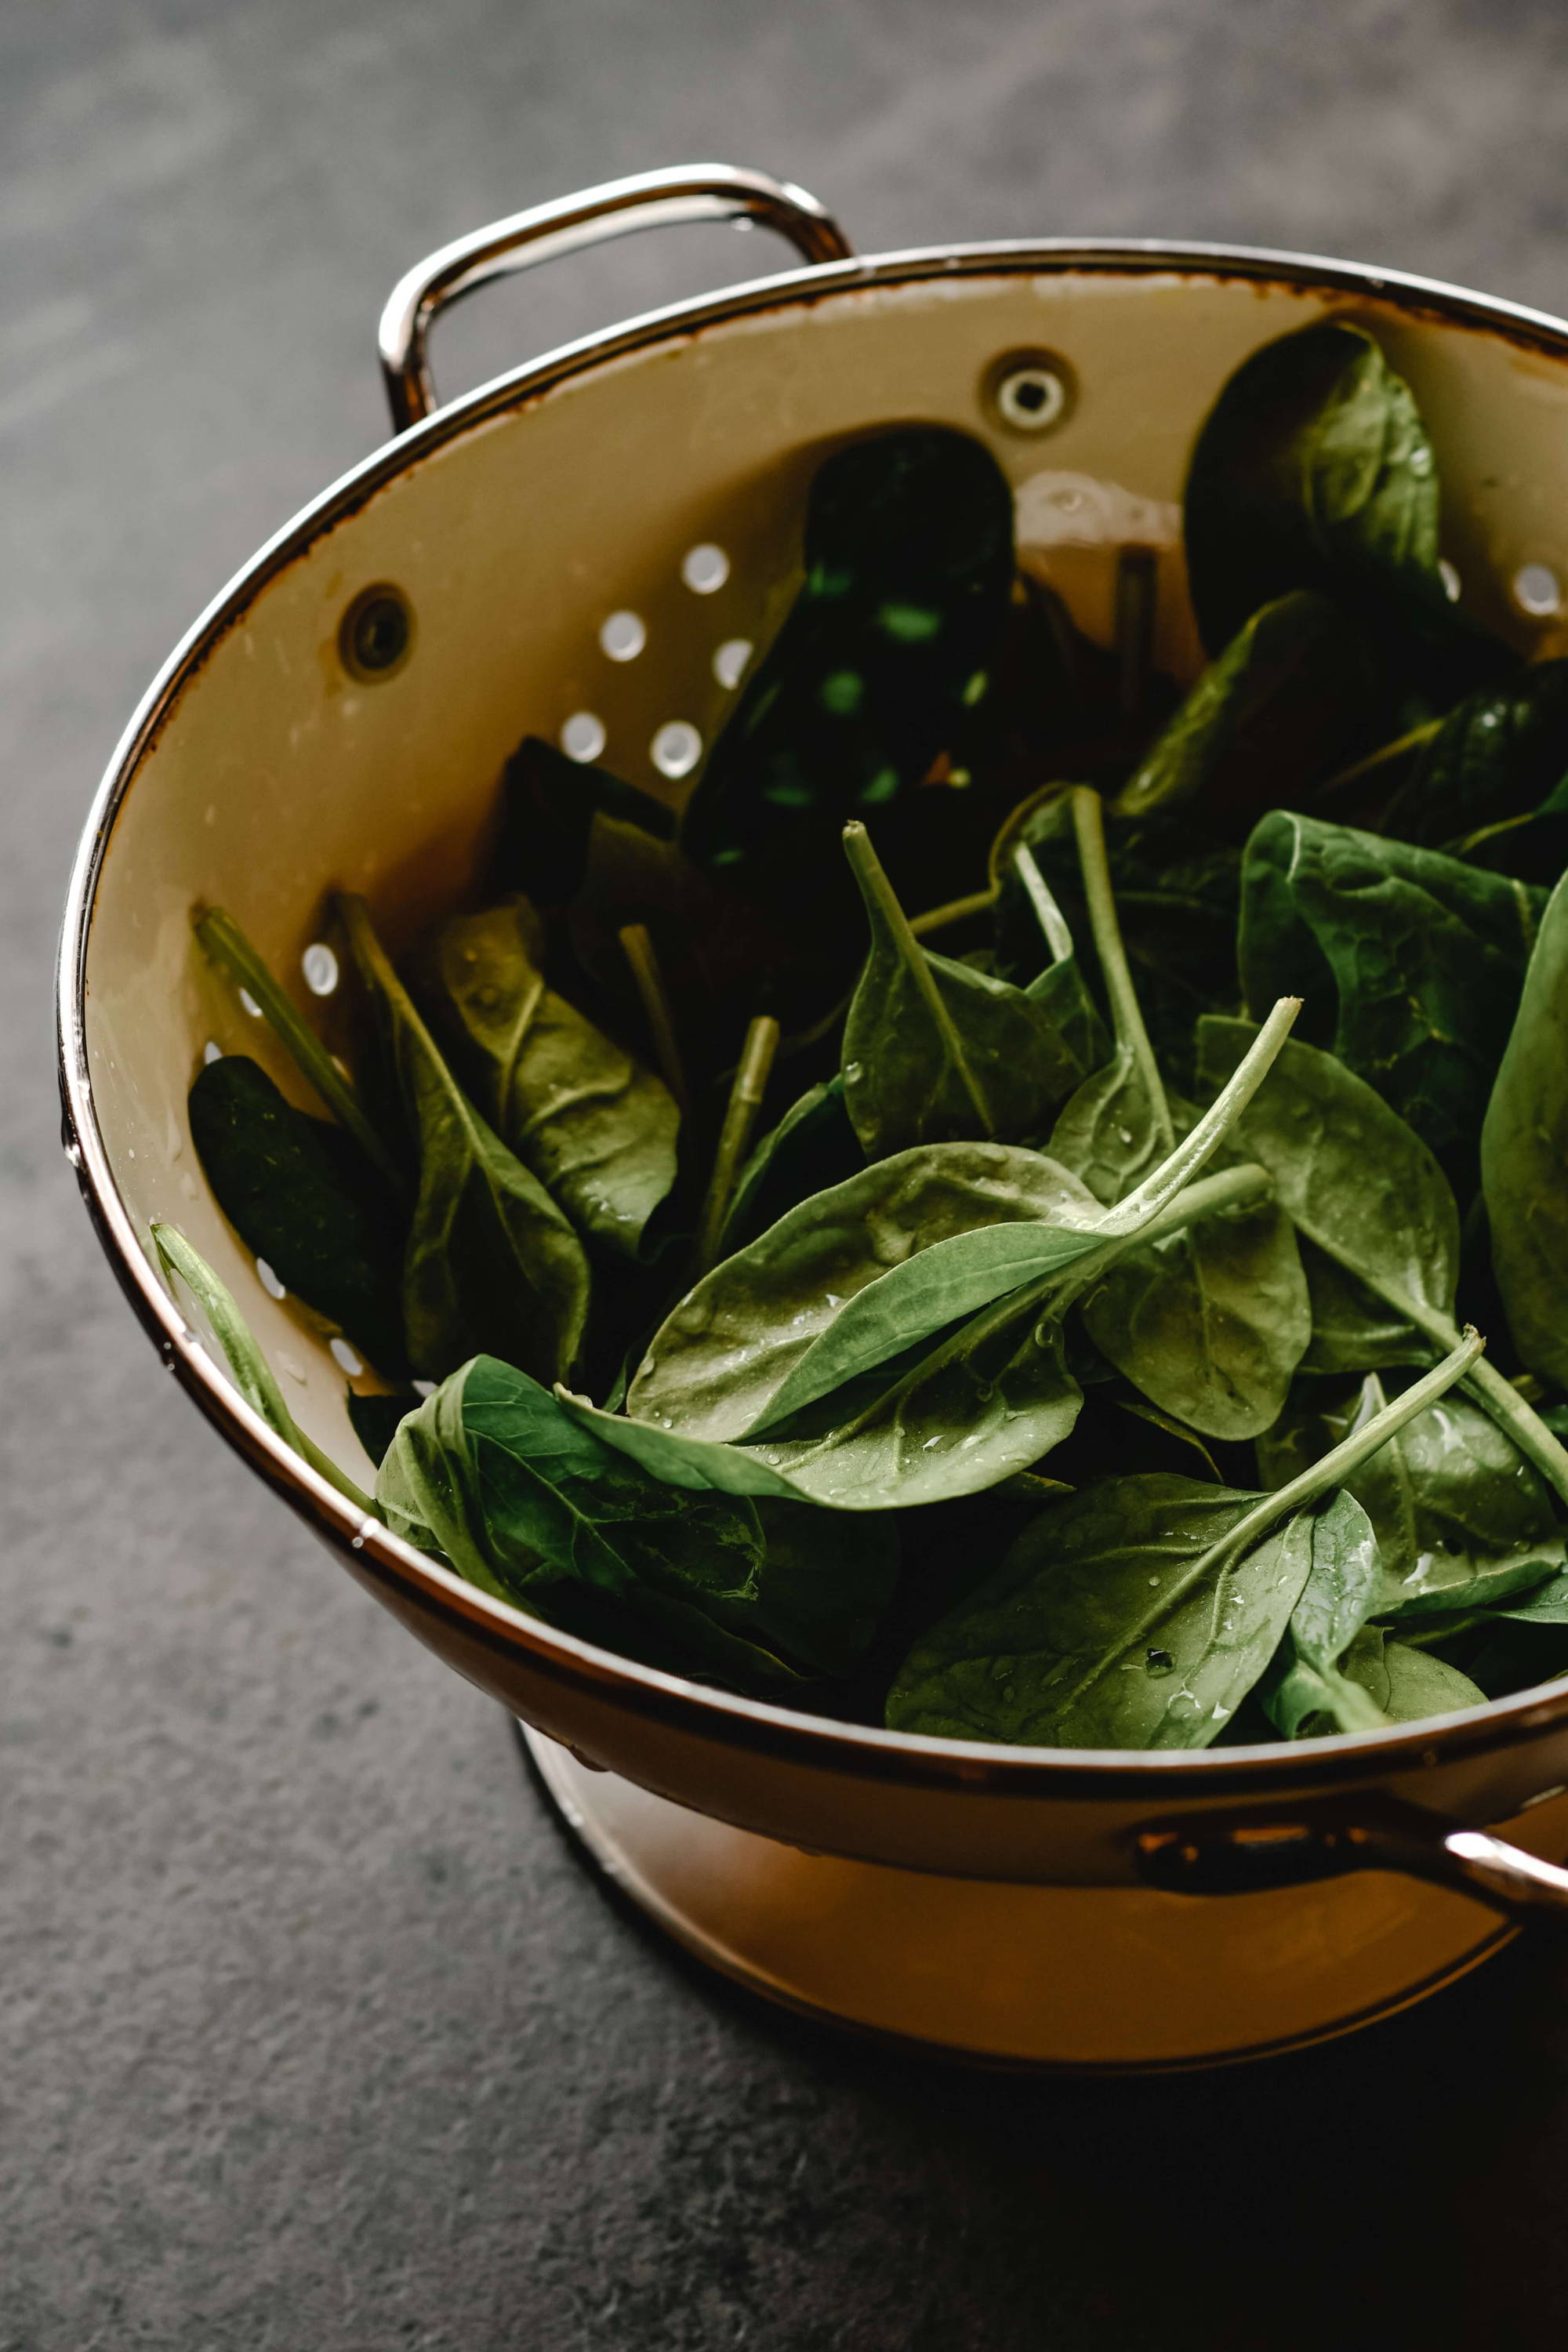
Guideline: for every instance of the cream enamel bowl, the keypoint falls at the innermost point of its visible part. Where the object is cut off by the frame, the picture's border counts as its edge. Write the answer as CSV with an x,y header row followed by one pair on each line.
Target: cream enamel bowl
x,y
1032,1905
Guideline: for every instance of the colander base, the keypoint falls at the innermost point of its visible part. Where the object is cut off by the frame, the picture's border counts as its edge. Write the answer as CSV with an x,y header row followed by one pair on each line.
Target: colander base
x,y
1057,1978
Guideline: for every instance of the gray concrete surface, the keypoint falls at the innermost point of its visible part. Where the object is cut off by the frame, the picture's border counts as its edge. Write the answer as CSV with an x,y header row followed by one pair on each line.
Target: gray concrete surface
x,y
313,2035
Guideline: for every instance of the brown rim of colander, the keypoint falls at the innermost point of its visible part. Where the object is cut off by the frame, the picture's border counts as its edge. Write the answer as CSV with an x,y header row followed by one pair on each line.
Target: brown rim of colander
x,y
380,1557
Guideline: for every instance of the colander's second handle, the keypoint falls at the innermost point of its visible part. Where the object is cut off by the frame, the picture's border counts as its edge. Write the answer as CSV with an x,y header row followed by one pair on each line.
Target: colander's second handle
x,y
1240,1855
690,192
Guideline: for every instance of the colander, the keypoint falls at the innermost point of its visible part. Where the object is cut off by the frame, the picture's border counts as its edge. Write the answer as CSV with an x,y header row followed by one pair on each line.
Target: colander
x,y
590,548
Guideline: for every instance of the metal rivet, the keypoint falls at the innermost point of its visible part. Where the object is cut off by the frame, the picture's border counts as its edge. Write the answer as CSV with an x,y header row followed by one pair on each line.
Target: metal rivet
x,y
1029,392
376,634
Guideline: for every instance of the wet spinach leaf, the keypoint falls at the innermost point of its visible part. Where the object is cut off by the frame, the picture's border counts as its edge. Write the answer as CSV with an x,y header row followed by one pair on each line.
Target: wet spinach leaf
x,y
1357,1182
299,1194
491,1263
524,1501
936,1052
1462,1520
1410,964
1304,1688
1276,713
718,1362
1138,1613
597,1129
1524,1157
1314,471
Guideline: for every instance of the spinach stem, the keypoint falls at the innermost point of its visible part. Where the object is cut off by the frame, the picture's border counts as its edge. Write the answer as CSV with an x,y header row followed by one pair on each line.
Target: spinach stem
x,y
1496,1395
1320,1478
1189,1155
879,892
1379,758
1334,1467
1131,1037
1062,1287
252,1373
746,1093
1052,921
937,918
636,946
224,944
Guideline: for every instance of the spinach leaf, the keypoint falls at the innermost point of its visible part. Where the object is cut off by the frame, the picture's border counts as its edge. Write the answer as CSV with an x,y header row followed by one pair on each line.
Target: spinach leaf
x,y
1265,722
717,1366
1099,1629
1314,471
491,1261
812,1149
252,1373
882,1263
1305,1685
1462,1520
1496,756
936,1052
1420,1686
886,649
1352,1329
1061,986
1118,1124
1410,964
1211,1322
1138,1613
1524,1157
548,806
301,1196
951,1412
522,1498
1178,895
377,1418
225,945
1356,1181
597,1129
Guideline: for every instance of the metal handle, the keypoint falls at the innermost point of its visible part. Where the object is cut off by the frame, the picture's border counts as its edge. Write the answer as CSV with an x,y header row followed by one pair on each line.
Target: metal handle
x,y
1243,1854
691,191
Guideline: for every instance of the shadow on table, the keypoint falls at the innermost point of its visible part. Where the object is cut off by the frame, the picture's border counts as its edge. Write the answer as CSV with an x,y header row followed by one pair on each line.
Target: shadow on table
x,y
1404,2185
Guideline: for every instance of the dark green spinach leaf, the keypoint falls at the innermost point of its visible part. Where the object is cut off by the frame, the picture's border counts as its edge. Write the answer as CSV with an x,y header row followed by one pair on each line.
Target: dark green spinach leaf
x,y
491,1262
300,1195
524,1501
887,648
1410,964
1314,471
1524,1157
1271,717
936,1052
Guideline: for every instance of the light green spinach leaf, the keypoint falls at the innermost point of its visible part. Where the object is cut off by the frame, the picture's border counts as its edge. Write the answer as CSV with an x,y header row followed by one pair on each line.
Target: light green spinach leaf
x,y
597,1129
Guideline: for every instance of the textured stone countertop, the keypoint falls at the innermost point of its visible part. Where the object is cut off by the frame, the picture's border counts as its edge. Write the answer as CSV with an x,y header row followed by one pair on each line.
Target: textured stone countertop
x,y
314,2035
